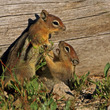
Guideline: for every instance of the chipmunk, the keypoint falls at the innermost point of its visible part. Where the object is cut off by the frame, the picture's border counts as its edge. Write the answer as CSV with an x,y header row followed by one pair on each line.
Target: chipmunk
x,y
26,52
61,67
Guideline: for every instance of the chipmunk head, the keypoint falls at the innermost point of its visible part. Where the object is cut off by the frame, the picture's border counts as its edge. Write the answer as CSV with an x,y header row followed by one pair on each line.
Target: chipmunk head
x,y
41,30
67,52
53,23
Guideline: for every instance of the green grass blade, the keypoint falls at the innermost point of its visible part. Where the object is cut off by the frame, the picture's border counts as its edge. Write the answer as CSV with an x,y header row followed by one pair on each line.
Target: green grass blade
x,y
106,69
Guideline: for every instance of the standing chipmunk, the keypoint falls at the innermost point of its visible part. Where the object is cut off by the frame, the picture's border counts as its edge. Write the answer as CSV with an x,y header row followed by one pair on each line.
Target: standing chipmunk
x,y
61,67
26,52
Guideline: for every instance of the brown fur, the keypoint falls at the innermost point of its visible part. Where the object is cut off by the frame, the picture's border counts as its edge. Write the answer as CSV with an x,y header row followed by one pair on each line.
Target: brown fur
x,y
60,68
24,55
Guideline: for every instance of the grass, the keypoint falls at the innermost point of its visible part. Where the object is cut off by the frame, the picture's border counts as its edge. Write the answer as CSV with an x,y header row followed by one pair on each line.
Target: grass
x,y
33,95
78,83
102,91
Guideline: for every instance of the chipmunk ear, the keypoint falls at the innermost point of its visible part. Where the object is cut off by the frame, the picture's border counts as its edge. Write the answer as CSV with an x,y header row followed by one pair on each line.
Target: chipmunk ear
x,y
44,15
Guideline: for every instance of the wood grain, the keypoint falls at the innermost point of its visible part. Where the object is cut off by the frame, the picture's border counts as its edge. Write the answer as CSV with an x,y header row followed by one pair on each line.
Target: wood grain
x,y
87,27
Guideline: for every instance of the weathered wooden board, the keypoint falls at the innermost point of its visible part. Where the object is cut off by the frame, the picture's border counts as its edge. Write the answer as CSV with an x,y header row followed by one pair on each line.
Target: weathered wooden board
x,y
87,23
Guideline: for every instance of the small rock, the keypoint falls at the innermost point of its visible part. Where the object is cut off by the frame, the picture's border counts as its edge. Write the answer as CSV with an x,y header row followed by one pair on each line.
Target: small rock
x,y
62,90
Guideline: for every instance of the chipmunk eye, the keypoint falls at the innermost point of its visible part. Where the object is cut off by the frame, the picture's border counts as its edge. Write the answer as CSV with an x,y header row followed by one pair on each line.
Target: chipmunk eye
x,y
55,23
67,49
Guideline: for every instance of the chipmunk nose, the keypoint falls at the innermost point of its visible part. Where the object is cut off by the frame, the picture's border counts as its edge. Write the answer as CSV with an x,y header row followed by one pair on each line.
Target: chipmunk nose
x,y
75,62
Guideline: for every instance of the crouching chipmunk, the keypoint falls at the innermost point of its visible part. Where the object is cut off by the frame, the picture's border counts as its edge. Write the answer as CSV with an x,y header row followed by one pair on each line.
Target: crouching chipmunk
x,y
25,53
60,67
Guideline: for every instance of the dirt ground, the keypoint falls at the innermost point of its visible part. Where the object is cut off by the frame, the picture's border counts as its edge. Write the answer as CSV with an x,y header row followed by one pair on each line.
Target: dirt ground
x,y
80,100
